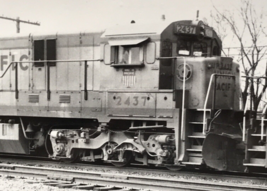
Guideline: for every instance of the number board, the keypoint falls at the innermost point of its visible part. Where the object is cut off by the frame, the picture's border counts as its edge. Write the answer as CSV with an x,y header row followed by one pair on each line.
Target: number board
x,y
132,103
185,29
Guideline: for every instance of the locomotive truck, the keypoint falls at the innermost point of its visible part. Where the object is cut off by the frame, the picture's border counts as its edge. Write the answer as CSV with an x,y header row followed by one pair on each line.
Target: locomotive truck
x,y
154,94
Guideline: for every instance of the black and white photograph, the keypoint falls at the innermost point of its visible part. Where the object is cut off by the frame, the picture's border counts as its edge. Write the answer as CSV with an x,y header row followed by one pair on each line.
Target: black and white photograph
x,y
133,95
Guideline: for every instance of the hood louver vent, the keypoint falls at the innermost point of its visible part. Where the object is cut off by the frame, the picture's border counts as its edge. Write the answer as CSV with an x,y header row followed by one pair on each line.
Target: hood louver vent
x,y
64,99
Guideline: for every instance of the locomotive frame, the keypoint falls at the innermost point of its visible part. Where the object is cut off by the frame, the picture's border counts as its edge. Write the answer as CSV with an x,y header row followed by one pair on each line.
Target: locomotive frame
x,y
154,94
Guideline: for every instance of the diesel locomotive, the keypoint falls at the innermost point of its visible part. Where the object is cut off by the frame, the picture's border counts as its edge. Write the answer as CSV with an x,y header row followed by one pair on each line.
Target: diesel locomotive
x,y
155,94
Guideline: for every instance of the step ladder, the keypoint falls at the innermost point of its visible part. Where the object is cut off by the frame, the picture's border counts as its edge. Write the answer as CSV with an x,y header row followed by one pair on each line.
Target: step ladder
x,y
195,137
256,153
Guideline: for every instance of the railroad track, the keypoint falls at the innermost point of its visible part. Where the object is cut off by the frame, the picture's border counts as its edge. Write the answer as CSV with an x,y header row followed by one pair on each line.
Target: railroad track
x,y
104,180
242,178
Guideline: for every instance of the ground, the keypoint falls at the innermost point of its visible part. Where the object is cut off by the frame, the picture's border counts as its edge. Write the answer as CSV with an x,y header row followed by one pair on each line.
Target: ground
x,y
8,183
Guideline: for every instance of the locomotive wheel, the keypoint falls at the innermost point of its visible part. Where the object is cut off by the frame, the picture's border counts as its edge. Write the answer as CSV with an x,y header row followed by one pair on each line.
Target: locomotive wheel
x,y
127,157
174,168
75,156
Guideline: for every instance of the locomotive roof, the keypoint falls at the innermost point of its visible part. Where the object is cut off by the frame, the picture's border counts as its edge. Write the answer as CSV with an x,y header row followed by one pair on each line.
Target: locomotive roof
x,y
153,30
134,32
136,29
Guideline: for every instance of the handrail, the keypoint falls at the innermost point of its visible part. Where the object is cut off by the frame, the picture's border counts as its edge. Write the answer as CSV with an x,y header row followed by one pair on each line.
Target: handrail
x,y
81,60
262,121
244,121
7,69
251,102
244,118
16,77
179,156
207,97
48,73
183,93
183,101
40,61
170,57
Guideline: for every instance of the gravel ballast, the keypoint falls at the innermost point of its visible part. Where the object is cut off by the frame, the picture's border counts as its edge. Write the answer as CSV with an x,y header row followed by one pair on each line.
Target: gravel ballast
x,y
8,183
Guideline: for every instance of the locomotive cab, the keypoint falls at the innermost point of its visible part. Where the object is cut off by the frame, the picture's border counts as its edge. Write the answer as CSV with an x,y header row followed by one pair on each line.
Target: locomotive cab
x,y
185,39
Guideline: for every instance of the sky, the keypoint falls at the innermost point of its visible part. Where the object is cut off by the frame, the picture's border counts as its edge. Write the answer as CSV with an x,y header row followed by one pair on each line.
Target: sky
x,y
94,15
70,16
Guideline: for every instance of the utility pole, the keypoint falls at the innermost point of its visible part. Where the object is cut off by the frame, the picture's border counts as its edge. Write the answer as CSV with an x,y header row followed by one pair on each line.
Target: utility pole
x,y
18,21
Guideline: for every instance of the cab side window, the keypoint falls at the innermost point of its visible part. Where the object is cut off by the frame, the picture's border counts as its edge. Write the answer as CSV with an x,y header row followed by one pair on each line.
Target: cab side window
x,y
127,54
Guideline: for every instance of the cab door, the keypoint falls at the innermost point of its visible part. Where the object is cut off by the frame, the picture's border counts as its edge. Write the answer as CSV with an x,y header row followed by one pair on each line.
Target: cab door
x,y
166,66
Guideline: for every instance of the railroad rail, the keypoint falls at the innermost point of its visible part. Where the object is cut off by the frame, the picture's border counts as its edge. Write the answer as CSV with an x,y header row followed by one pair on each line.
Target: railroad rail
x,y
253,178
82,179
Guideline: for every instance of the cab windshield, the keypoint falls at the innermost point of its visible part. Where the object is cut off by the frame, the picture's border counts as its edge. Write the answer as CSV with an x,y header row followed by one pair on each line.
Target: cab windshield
x,y
191,48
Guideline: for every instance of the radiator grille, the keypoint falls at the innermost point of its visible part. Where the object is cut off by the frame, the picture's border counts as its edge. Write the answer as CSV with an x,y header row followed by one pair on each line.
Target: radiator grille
x,y
64,99
34,98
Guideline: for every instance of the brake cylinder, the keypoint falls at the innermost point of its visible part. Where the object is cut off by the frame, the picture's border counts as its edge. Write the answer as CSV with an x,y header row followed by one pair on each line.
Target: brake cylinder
x,y
162,138
56,134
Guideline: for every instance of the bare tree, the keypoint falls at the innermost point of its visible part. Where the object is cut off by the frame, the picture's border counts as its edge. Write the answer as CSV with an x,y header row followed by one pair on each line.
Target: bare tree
x,y
248,29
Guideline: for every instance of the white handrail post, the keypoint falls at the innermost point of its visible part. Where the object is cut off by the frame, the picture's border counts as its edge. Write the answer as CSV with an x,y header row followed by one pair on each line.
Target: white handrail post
x,y
205,104
183,101
244,122
262,121
207,97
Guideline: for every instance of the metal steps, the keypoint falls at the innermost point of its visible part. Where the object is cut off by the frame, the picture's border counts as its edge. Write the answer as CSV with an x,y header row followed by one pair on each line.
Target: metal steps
x,y
257,149
195,138
256,152
256,162
196,122
258,135
194,161
194,150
